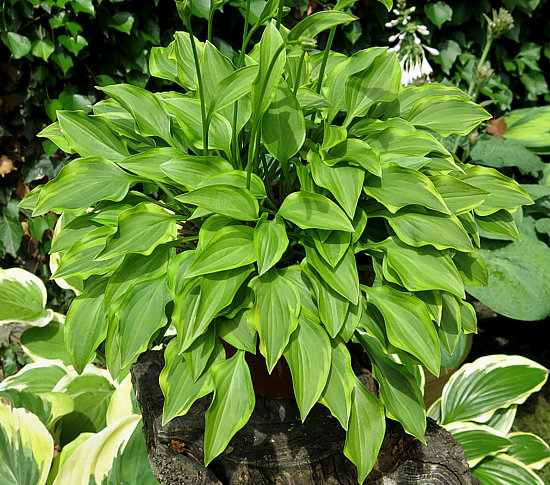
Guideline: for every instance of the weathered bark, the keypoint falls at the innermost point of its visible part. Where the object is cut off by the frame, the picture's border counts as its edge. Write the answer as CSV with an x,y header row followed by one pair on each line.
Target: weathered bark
x,y
276,448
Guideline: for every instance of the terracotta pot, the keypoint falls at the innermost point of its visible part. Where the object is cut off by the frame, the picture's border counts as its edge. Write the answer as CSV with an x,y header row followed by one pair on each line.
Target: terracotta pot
x,y
277,385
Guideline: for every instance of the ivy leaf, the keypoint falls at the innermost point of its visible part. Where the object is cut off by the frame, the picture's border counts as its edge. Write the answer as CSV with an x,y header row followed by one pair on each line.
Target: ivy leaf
x,y
438,12
11,234
18,44
43,48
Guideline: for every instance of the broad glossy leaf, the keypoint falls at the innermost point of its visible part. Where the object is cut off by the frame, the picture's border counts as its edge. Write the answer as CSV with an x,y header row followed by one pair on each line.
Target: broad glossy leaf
x,y
147,164
500,223
162,64
399,187
334,247
231,407
312,211
411,94
459,196
503,419
447,114
27,447
37,377
266,81
140,230
233,87
46,343
123,401
317,23
188,114
82,183
140,314
476,390
237,178
408,324
478,441
23,298
283,124
381,82
270,241
343,182
450,329
216,67
366,429
149,113
308,355
428,228
504,192
91,136
184,59
66,234
503,470
355,152
198,353
230,247
201,299
398,388
85,326
519,273
95,456
530,449
18,44
342,278
179,389
337,394
472,269
420,269
237,331
190,171
238,203
274,314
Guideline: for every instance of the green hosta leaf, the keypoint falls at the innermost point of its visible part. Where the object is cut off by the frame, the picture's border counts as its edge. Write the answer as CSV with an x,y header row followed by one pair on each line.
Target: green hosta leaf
x,y
179,389
366,429
217,66
504,193
503,470
500,223
140,314
184,59
530,449
91,136
82,183
449,329
468,319
23,298
519,273
476,390
147,164
334,247
237,332
283,125
43,48
337,394
162,65
18,44
317,23
381,82
478,441
266,81
237,178
399,187
408,324
94,457
308,355
230,247
202,299
428,228
123,401
420,269
447,114
140,230
472,269
190,171
342,278
238,203
231,407
188,114
37,377
438,13
27,447
459,196
270,241
85,326
399,390
46,343
274,314
53,132
312,211
233,87
149,113
344,182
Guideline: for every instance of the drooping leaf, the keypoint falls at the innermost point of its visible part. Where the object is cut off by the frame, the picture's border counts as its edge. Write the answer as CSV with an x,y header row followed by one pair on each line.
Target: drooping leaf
x,y
318,22
503,469
37,377
231,407
270,241
147,163
530,449
190,171
459,196
46,343
237,331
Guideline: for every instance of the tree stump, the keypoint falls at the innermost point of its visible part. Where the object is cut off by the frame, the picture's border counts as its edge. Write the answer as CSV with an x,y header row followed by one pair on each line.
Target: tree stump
x,y
276,448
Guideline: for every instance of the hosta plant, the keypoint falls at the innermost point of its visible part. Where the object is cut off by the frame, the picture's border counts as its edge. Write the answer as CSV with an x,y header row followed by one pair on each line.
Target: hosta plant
x,y
251,204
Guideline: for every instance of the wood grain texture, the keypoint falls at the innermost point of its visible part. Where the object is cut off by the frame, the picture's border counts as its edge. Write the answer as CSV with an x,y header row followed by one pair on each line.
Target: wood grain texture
x,y
276,448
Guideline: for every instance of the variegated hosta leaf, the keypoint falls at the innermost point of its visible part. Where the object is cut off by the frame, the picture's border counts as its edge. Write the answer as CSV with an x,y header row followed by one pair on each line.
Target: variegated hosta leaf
x,y
505,470
530,449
